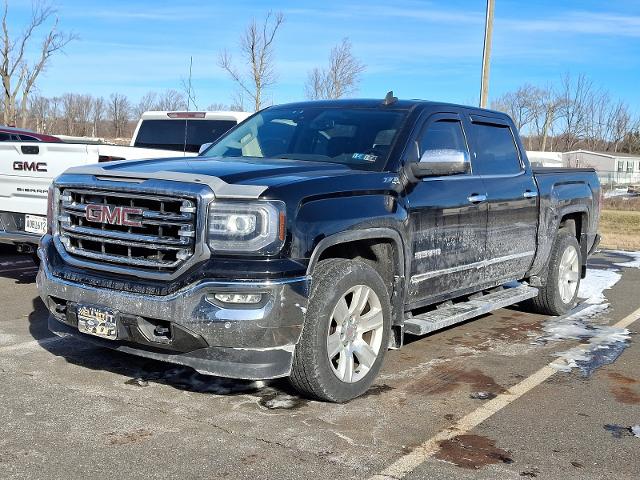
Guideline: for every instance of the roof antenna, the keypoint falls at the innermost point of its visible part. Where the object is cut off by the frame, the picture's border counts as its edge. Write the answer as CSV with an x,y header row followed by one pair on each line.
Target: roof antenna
x,y
390,99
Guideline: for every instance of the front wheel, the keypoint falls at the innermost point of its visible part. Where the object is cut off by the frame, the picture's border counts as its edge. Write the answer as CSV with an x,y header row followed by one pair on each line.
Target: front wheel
x,y
562,277
346,332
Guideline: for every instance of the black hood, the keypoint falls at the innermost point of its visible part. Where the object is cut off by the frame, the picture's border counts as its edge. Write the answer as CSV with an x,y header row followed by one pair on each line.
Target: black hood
x,y
237,170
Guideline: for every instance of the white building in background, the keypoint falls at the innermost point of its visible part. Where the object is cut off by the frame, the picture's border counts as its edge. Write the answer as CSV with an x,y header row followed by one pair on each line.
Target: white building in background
x,y
545,159
612,168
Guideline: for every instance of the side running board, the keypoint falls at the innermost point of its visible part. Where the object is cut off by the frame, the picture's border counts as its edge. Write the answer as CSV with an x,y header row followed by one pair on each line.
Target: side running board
x,y
459,312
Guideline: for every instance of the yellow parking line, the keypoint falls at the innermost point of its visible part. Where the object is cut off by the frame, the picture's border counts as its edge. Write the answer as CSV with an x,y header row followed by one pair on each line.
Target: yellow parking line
x,y
409,462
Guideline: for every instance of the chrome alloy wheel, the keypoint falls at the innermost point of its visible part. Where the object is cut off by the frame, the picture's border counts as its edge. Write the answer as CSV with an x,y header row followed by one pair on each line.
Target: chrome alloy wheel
x,y
568,274
355,334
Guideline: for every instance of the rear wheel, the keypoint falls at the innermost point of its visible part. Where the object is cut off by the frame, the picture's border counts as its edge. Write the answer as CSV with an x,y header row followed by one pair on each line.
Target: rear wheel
x,y
346,332
562,277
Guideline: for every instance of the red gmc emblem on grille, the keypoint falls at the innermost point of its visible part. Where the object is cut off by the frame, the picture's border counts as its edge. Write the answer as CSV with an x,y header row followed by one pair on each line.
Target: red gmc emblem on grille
x,y
113,215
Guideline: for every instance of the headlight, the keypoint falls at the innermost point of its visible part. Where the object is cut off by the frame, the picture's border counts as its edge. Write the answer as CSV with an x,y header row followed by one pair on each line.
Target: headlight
x,y
246,227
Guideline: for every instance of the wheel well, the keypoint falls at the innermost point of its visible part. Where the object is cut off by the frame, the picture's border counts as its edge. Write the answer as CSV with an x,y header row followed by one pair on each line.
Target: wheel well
x,y
381,254
573,223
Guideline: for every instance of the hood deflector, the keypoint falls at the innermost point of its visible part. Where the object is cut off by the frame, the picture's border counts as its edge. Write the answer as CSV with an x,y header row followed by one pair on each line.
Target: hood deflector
x,y
221,189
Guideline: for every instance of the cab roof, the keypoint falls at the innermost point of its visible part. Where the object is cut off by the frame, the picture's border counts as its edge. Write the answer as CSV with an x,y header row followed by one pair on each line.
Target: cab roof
x,y
398,104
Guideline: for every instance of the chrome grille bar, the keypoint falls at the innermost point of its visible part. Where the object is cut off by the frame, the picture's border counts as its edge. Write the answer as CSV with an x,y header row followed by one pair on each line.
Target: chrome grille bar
x,y
161,236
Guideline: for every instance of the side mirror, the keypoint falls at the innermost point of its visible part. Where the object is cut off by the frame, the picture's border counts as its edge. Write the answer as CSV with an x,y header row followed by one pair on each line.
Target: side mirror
x,y
435,163
203,147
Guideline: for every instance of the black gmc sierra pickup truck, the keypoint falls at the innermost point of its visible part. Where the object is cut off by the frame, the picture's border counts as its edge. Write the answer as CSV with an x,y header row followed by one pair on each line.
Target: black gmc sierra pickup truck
x,y
312,237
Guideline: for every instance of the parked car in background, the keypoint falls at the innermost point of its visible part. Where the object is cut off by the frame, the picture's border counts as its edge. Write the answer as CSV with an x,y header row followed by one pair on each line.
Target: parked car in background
x,y
311,238
12,134
183,131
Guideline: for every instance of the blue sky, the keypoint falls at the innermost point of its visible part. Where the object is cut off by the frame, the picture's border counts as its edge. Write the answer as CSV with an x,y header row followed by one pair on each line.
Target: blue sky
x,y
420,49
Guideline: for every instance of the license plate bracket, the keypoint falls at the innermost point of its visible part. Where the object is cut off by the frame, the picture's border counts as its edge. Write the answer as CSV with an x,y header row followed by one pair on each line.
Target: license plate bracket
x,y
98,321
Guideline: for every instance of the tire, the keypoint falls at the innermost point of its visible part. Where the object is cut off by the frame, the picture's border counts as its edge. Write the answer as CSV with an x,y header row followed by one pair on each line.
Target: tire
x,y
359,336
551,299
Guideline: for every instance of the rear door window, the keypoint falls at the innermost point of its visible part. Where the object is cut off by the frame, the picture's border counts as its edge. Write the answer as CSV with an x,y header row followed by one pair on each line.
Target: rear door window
x,y
5,137
496,150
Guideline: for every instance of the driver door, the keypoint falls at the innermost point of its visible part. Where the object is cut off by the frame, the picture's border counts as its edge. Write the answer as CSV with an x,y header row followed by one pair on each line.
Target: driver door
x,y
448,220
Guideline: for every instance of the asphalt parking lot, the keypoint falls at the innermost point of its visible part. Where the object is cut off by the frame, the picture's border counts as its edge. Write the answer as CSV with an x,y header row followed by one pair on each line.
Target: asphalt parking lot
x,y
474,401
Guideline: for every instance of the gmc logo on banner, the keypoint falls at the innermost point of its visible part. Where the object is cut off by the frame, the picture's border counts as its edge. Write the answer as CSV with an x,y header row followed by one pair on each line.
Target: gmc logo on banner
x,y
113,215
30,166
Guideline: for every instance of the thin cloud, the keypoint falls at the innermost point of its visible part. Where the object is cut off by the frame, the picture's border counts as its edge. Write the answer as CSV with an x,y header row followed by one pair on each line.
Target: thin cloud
x,y
584,23
408,10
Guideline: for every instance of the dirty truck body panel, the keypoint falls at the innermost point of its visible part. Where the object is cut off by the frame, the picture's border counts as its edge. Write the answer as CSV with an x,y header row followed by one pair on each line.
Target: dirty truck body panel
x,y
156,261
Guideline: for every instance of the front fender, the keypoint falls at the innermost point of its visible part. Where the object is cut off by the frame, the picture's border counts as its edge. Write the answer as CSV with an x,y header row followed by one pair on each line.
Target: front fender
x,y
354,217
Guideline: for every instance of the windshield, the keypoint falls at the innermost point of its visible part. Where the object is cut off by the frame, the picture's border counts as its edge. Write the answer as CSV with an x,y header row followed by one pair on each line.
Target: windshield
x,y
361,138
170,134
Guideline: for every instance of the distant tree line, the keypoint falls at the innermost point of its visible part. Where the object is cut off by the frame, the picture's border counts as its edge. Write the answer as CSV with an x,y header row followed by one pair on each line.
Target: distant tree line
x,y
90,116
571,115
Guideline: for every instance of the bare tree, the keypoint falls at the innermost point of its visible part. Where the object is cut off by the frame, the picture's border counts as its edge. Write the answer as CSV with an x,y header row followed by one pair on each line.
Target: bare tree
x,y
572,112
168,100
68,113
340,78
148,102
40,112
171,100
98,115
18,74
217,106
519,105
545,104
223,106
119,111
256,48
53,122
621,124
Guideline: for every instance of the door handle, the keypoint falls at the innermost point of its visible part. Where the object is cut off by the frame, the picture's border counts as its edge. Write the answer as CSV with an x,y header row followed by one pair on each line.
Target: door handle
x,y
477,198
530,194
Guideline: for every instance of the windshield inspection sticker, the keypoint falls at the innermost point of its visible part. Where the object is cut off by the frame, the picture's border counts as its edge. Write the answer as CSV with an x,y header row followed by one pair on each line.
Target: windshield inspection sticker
x,y
365,156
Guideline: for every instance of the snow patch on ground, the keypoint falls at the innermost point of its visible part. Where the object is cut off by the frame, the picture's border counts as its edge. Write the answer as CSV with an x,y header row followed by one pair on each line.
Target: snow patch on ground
x,y
596,282
603,343
602,349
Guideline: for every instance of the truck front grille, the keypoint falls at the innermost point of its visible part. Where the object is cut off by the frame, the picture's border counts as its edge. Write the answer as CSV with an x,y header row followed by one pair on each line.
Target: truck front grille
x,y
149,232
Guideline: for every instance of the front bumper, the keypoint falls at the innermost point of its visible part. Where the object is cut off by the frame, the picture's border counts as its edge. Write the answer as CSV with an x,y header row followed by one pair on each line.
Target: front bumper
x,y
238,342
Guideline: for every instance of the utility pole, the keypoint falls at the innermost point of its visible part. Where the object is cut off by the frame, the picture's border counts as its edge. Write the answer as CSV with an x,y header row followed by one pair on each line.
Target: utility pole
x,y
486,55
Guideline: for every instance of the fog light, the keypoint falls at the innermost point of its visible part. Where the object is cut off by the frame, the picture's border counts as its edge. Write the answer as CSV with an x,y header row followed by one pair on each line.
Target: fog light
x,y
246,298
